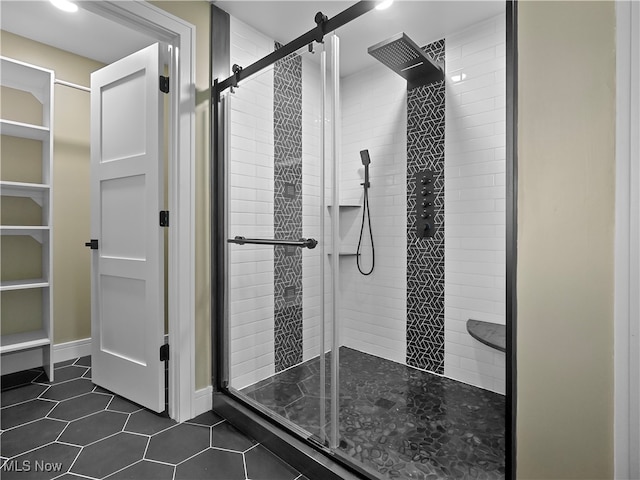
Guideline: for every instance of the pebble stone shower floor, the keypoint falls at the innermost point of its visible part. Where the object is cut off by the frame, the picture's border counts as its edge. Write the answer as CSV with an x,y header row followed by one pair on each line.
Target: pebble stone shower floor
x,y
402,422
72,429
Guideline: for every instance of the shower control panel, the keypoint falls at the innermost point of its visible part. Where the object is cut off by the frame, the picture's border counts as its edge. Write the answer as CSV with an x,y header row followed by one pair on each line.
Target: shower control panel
x,y
425,204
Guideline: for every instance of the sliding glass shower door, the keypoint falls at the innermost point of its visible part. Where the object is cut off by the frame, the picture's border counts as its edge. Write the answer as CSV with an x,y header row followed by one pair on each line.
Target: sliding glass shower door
x,y
280,235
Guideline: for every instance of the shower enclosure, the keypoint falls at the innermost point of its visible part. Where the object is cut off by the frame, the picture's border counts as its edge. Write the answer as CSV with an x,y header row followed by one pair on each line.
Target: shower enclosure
x,y
371,366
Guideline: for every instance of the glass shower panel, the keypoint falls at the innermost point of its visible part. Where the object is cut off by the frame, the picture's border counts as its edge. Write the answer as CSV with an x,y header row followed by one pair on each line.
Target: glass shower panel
x,y
276,272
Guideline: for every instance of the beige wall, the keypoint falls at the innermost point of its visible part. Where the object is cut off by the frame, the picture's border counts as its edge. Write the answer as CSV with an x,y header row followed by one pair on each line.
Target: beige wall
x,y
566,164
71,268
197,13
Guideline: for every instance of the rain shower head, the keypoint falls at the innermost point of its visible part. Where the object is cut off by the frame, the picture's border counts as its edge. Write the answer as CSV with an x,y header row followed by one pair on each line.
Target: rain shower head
x,y
403,56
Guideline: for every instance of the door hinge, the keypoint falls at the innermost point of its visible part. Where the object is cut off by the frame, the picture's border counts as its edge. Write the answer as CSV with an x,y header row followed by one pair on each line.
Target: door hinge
x,y
164,218
164,352
93,244
164,84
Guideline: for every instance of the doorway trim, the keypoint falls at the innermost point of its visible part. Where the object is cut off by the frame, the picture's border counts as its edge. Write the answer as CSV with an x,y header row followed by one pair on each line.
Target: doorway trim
x,y
180,34
627,241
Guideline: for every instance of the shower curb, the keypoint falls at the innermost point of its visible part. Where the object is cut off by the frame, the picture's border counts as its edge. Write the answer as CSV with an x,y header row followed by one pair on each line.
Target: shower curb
x,y
312,463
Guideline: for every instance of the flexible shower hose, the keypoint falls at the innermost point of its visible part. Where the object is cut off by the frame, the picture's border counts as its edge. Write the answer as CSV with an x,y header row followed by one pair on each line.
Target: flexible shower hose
x,y
366,212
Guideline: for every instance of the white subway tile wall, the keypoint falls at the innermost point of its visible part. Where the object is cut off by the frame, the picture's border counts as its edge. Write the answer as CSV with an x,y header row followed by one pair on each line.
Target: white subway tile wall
x,y
311,213
250,207
374,307
374,117
475,200
251,196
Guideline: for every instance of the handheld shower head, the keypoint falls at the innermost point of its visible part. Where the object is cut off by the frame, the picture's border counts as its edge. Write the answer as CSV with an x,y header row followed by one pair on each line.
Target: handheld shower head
x,y
366,160
364,156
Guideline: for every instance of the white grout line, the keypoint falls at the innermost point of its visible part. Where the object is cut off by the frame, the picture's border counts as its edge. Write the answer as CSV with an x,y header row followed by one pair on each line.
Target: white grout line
x,y
155,433
33,421
251,448
144,454
65,399
76,459
79,418
192,456
228,450
61,383
78,359
37,398
69,444
244,465
138,434
33,450
125,467
189,422
160,462
77,474
62,431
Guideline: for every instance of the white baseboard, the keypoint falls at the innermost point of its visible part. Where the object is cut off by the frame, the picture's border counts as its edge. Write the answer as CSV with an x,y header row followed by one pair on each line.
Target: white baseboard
x,y
202,400
22,360
33,358
69,350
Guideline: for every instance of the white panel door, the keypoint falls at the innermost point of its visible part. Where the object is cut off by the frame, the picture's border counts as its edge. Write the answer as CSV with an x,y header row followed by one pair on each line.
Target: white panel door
x,y
127,324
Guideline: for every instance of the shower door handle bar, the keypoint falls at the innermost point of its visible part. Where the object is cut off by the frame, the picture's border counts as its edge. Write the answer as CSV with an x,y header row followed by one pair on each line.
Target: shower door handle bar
x,y
302,243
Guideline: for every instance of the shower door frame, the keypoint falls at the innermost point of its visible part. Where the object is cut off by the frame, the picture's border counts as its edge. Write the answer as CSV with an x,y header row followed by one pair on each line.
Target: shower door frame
x,y
313,459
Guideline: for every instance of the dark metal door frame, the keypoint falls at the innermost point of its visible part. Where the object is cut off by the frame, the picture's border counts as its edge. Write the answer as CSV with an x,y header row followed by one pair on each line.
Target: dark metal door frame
x,y
314,460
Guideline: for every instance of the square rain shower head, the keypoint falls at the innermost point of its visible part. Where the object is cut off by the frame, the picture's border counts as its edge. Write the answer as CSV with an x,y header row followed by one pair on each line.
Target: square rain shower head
x,y
407,59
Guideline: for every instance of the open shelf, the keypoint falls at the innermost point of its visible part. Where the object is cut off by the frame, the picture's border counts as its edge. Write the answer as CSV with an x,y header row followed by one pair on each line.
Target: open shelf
x,y
36,191
23,341
24,130
26,77
346,205
23,284
36,232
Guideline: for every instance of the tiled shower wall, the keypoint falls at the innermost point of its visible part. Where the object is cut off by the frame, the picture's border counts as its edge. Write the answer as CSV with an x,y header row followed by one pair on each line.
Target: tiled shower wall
x,y
475,200
258,348
251,197
374,117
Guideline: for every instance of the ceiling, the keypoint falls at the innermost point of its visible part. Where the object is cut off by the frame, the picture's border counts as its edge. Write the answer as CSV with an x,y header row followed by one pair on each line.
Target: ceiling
x,y
423,21
87,34
83,32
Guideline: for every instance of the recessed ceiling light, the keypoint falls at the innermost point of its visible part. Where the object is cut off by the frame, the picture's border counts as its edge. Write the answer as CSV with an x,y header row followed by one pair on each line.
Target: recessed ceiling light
x,y
384,4
65,5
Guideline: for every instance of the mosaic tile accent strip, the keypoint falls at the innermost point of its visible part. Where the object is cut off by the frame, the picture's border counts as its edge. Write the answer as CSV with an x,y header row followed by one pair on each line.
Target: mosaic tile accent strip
x,y
425,256
287,209
403,422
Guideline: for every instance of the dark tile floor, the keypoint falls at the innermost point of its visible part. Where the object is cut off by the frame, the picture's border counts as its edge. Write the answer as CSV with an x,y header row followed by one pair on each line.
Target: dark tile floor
x,y
72,429
400,421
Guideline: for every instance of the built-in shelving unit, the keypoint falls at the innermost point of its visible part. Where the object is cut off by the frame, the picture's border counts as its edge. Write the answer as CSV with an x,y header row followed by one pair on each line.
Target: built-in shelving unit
x,y
38,82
